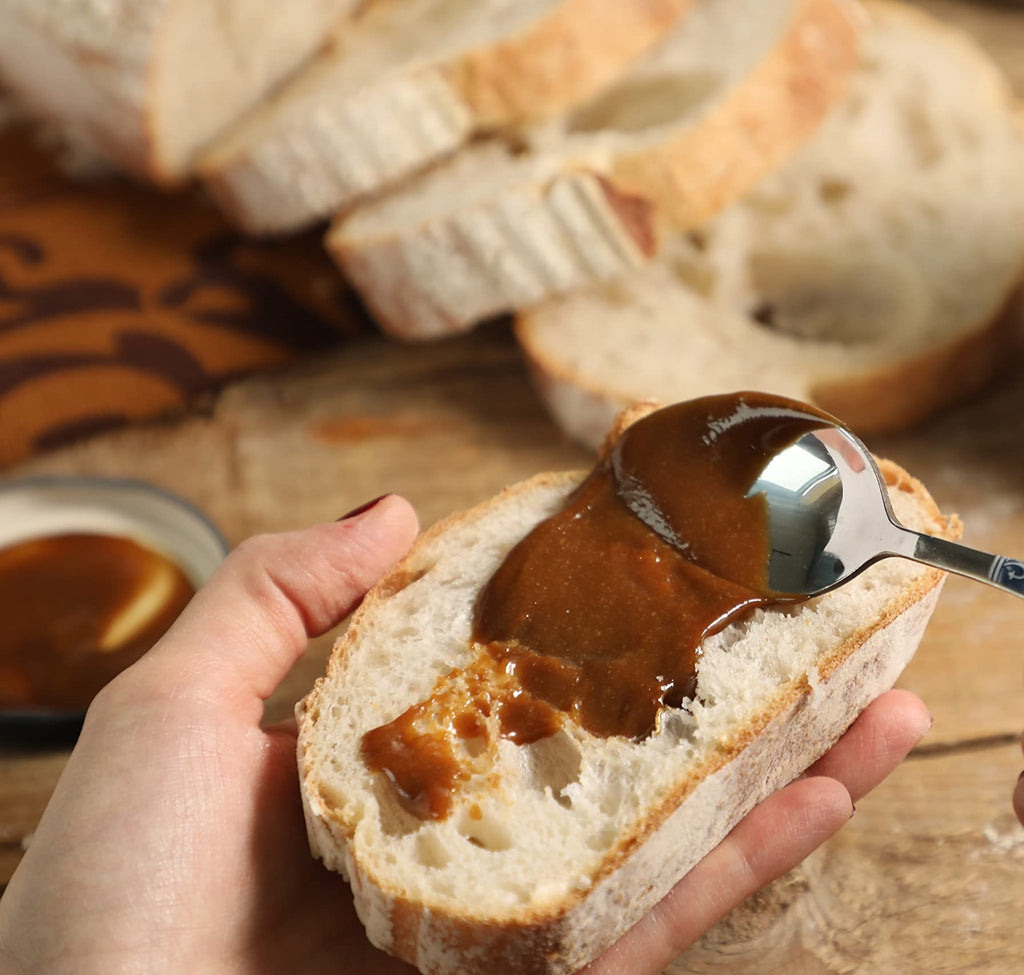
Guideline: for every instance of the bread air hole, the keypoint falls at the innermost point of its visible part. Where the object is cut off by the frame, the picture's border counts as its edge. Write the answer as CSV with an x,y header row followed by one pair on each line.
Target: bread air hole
x,y
483,829
833,191
925,142
698,277
677,724
604,837
612,797
474,747
691,264
838,297
646,103
394,820
552,764
431,852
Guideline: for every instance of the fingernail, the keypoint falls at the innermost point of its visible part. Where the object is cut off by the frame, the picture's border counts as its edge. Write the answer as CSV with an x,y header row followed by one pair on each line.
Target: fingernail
x,y
362,508
853,809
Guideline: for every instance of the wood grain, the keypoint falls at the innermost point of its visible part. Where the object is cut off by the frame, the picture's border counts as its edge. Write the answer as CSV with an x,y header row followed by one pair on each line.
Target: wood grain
x,y
927,877
969,667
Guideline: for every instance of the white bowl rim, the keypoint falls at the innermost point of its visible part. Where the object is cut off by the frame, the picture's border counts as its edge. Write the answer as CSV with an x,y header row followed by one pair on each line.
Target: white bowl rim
x,y
101,485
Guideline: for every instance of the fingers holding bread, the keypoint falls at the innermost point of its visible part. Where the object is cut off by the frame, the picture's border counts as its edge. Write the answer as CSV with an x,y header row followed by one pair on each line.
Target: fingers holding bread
x,y
881,737
774,838
295,585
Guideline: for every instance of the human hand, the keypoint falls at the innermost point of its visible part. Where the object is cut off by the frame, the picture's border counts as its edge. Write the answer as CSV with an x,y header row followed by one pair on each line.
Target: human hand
x,y
775,837
175,839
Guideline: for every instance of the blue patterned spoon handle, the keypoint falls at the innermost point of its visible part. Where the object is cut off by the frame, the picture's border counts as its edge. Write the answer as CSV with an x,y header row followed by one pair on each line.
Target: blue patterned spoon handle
x,y
995,570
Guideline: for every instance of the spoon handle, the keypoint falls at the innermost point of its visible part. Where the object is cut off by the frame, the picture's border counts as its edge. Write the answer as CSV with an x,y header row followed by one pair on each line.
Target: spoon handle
x,y
995,570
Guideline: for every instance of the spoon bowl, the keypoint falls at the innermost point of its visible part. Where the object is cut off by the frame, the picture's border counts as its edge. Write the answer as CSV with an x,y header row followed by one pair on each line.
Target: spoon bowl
x,y
829,517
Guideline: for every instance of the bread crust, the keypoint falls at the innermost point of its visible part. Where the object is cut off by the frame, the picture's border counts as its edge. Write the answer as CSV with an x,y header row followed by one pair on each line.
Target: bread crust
x,y
505,253
85,70
900,395
891,397
758,126
569,55
800,722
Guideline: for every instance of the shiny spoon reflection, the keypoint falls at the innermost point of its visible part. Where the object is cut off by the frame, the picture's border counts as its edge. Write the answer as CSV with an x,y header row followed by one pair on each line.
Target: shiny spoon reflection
x,y
829,517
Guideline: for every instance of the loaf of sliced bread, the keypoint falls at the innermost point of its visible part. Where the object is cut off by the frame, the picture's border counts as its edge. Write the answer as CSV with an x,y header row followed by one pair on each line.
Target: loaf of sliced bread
x,y
876,274
723,99
554,849
410,82
145,83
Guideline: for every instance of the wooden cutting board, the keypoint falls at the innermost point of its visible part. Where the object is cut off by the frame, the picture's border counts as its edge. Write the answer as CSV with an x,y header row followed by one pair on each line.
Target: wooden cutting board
x,y
929,875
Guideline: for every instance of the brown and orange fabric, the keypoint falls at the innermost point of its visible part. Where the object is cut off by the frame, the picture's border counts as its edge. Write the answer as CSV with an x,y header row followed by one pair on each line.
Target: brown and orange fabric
x,y
119,303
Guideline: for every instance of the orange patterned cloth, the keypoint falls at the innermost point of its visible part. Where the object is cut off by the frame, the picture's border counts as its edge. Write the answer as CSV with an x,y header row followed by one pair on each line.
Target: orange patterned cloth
x,y
119,303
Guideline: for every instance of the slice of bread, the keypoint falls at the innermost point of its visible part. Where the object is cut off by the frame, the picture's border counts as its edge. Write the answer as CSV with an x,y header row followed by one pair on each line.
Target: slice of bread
x,y
555,848
723,99
145,83
875,275
412,81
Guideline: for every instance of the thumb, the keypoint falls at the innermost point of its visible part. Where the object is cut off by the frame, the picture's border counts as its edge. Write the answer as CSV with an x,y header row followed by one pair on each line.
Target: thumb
x,y
247,626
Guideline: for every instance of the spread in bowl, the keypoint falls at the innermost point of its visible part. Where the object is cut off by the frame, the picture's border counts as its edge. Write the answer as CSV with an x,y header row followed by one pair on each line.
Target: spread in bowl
x,y
92,573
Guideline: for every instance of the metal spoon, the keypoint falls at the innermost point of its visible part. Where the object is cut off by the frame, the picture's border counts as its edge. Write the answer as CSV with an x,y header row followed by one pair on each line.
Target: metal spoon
x,y
829,517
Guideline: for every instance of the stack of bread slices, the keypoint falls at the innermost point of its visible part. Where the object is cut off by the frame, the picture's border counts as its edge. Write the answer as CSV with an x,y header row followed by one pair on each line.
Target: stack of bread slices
x,y
820,198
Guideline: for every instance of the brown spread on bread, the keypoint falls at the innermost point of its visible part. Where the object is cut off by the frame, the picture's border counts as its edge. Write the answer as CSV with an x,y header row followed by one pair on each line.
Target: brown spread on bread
x,y
78,609
599,613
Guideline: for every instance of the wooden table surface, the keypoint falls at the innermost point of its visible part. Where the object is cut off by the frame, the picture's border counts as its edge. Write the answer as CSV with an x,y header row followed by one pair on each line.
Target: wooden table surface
x,y
928,876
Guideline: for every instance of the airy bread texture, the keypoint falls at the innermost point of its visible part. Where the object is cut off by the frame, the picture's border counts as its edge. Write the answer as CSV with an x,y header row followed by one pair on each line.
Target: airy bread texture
x,y
145,83
554,849
723,99
876,274
410,82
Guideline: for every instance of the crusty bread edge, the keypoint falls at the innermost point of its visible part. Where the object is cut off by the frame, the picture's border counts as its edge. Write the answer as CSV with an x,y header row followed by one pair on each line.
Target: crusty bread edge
x,y
568,55
112,126
889,397
801,722
899,395
536,240
771,112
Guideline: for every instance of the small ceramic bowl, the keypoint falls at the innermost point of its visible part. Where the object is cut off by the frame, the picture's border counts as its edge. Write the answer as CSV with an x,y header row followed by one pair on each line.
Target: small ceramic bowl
x,y
48,506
